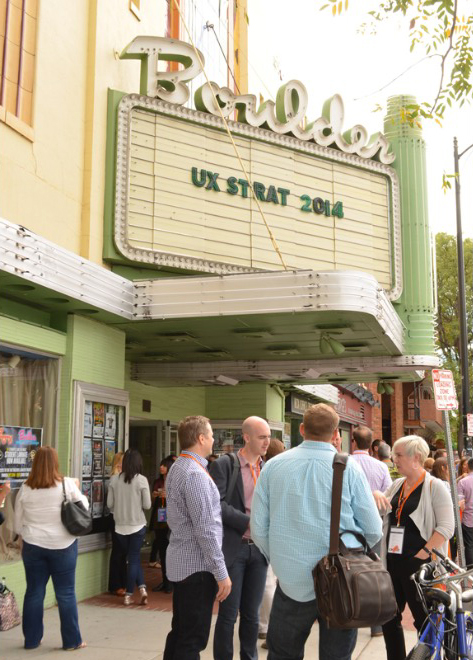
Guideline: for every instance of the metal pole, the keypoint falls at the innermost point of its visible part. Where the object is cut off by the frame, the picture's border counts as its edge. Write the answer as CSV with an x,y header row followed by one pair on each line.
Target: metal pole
x,y
454,490
464,366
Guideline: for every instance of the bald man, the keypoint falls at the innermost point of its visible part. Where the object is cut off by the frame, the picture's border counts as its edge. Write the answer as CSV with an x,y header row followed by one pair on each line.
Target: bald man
x,y
245,563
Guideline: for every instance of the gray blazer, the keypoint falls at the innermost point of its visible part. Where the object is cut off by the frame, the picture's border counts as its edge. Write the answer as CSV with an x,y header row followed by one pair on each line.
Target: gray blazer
x,y
235,520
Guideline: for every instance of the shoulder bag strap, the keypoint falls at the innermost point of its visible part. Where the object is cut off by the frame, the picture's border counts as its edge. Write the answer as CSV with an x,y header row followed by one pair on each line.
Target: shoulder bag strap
x,y
232,483
64,489
339,464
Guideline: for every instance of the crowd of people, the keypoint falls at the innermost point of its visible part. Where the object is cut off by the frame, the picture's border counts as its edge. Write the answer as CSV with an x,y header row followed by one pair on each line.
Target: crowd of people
x,y
246,529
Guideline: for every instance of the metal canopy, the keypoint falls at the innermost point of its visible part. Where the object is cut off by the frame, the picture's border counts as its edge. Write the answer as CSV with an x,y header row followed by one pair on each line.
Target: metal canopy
x,y
263,326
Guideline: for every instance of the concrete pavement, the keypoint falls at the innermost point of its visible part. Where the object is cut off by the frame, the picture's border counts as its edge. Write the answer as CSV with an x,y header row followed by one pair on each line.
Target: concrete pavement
x,y
116,633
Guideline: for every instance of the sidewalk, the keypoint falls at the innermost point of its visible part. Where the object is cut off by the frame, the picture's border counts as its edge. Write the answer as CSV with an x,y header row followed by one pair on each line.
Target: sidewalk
x,y
116,633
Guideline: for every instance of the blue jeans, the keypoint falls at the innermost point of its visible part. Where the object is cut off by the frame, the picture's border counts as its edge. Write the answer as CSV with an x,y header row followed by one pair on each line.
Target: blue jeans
x,y
131,546
41,564
290,624
248,576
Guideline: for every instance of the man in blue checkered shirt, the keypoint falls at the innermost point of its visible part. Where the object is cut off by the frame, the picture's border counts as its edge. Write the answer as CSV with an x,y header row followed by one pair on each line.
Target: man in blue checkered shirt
x,y
194,557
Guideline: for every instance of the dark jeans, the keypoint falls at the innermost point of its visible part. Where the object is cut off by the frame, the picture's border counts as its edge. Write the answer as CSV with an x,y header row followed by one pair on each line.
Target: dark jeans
x,y
290,624
192,604
248,576
131,546
406,593
117,570
468,541
160,545
41,564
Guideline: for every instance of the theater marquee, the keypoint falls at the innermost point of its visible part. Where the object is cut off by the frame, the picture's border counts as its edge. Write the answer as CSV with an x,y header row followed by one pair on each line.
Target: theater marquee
x,y
182,200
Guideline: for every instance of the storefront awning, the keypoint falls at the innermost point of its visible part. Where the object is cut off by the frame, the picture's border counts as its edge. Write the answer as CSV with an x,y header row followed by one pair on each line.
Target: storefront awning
x,y
264,326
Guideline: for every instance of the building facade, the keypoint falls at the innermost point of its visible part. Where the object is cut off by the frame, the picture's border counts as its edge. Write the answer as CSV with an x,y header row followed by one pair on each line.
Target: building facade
x,y
151,269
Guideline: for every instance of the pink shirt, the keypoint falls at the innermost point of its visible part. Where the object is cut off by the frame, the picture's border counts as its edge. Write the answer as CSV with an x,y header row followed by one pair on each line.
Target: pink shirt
x,y
249,474
465,492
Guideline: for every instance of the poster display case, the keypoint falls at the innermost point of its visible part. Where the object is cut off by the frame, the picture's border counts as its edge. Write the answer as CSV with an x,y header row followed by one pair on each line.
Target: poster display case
x,y
100,431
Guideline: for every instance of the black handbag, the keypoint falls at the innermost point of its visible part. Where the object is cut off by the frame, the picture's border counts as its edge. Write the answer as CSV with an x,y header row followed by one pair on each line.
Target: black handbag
x,y
352,587
75,517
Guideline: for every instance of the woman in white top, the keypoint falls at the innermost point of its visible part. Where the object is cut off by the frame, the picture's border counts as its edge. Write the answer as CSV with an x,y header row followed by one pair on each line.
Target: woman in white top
x,y
48,548
128,495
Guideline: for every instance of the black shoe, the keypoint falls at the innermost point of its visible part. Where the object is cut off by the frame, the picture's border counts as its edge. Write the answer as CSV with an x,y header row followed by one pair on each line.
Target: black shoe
x,y
160,587
168,588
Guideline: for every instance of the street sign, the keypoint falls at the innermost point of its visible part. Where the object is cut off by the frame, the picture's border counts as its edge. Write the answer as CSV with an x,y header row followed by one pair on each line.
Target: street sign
x,y
444,390
469,421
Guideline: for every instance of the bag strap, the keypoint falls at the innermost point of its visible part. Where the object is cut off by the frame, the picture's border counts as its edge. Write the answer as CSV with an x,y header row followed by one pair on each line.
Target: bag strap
x,y
233,479
64,490
339,465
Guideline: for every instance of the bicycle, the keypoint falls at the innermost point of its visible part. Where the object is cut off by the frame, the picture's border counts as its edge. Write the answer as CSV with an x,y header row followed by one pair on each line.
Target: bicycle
x,y
448,629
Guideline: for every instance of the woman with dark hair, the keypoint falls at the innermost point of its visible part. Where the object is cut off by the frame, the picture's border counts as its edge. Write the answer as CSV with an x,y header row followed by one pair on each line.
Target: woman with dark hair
x,y
158,524
48,548
128,495
462,468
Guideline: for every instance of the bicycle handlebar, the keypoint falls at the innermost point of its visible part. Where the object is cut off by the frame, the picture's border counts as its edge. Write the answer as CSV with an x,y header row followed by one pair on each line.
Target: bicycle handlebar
x,y
462,573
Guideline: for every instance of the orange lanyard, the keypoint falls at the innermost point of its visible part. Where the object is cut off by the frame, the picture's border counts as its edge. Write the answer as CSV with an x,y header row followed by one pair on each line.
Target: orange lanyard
x,y
199,464
403,500
255,473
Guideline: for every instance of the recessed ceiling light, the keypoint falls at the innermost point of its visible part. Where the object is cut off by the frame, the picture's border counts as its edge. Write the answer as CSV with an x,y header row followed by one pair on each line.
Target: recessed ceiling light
x,y
158,357
283,350
216,353
254,333
177,337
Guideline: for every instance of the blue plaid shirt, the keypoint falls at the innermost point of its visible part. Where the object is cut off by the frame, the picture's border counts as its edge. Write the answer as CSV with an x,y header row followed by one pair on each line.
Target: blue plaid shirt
x,y
290,514
195,519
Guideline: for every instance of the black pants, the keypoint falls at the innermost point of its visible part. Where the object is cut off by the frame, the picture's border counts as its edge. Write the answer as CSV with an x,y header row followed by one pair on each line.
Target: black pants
x,y
160,545
406,593
117,568
468,541
192,604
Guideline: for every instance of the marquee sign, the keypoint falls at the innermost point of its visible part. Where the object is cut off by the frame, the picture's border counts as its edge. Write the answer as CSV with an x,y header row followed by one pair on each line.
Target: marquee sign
x,y
182,200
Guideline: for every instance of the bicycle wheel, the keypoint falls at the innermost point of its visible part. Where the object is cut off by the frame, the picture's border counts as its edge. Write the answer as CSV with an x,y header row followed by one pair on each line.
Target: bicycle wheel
x,y
419,652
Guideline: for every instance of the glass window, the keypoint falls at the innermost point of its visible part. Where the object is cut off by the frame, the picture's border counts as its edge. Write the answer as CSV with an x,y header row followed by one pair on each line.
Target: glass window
x,y
28,405
18,22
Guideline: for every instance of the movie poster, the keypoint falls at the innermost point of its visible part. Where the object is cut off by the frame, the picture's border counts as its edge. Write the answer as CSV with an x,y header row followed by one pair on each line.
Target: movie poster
x,y
121,427
86,490
109,454
97,498
106,510
97,455
88,419
87,458
110,421
99,419
18,446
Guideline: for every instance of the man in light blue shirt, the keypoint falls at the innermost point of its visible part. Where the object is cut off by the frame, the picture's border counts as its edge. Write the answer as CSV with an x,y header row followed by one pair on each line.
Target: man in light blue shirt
x,y
290,523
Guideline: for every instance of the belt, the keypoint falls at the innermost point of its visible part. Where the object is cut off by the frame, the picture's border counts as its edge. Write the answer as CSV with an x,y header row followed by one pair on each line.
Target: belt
x,y
248,541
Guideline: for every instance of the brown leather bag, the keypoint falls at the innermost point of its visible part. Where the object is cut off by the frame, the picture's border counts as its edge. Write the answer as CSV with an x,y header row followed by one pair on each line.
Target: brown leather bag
x,y
352,587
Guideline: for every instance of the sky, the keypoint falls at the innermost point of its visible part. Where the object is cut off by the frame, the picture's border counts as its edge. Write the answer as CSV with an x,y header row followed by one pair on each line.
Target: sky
x,y
329,55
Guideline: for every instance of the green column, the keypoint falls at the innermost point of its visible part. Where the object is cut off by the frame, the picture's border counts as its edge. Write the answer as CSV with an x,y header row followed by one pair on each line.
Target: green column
x,y
416,304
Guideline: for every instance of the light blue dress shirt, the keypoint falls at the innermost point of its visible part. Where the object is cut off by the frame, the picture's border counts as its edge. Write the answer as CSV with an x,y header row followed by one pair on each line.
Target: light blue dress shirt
x,y
290,513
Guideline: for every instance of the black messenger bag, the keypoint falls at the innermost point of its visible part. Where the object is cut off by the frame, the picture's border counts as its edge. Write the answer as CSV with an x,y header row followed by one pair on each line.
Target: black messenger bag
x,y
353,588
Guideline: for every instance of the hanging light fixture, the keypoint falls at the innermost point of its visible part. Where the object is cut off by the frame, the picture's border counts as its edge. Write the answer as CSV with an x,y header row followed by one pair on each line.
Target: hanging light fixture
x,y
380,389
329,345
389,389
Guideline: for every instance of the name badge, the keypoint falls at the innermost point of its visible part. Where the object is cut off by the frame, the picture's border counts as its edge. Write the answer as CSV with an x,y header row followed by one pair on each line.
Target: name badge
x,y
162,518
396,540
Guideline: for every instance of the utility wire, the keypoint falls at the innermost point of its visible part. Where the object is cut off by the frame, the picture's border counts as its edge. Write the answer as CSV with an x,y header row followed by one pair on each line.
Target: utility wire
x,y
217,105
209,26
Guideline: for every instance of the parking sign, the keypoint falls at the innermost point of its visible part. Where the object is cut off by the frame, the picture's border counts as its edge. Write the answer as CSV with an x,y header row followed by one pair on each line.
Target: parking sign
x,y
444,390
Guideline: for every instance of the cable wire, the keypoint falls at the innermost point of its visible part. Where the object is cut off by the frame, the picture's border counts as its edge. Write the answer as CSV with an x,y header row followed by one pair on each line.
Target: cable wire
x,y
250,185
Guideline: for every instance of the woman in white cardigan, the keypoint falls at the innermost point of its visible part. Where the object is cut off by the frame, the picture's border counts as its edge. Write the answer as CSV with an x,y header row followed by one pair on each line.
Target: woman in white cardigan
x,y
128,495
421,519
49,551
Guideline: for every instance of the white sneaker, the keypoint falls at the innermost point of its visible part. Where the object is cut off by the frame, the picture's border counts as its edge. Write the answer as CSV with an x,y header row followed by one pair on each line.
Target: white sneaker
x,y
144,596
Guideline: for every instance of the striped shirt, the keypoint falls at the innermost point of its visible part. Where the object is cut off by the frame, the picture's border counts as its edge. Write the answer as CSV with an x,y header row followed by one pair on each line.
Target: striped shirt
x,y
195,519
290,515
375,471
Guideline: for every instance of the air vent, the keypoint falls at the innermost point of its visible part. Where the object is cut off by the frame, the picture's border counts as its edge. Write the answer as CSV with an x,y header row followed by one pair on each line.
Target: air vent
x,y
214,353
254,333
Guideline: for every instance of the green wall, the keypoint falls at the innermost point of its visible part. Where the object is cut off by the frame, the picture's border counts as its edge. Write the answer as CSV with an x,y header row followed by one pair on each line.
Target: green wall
x,y
244,400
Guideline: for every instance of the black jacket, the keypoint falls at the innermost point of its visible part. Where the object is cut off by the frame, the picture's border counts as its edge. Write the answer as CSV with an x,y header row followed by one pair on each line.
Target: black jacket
x,y
235,520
